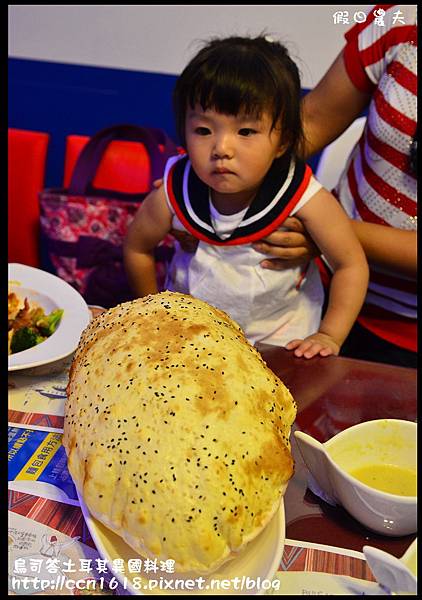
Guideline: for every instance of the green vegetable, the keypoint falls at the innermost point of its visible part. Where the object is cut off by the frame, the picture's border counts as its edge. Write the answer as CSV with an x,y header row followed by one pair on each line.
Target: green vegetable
x,y
25,338
35,314
48,324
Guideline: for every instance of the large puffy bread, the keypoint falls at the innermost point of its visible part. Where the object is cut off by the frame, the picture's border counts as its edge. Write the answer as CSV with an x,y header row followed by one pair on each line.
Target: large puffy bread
x,y
176,431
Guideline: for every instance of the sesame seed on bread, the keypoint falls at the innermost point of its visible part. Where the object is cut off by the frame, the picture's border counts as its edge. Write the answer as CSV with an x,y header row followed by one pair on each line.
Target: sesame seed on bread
x,y
176,431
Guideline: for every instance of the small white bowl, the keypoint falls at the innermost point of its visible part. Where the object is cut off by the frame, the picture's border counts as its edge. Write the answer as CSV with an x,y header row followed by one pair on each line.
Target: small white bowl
x,y
382,441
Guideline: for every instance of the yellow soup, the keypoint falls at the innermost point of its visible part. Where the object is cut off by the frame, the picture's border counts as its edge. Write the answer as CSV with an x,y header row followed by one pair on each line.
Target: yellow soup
x,y
387,478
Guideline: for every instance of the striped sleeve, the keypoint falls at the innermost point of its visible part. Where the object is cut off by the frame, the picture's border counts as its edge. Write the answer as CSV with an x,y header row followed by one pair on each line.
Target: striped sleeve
x,y
371,46
379,183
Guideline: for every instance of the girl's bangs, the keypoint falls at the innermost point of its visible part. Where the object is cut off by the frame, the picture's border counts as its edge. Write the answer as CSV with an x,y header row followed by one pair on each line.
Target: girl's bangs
x,y
232,96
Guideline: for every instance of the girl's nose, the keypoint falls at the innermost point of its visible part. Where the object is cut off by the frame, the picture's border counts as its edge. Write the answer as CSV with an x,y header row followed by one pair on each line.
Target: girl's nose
x,y
223,147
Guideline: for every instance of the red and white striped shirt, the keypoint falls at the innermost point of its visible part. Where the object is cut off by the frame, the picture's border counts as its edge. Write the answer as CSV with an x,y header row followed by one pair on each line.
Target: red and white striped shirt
x,y
378,185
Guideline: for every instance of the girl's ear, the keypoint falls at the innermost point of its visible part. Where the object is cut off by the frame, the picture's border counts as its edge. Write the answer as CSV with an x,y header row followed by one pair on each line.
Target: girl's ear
x,y
282,149
283,143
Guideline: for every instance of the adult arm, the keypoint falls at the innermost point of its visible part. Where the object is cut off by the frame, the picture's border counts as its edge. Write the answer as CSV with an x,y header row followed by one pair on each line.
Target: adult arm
x,y
391,250
329,108
327,111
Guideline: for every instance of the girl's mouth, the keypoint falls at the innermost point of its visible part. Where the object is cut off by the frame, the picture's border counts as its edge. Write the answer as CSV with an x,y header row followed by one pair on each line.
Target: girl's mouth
x,y
222,171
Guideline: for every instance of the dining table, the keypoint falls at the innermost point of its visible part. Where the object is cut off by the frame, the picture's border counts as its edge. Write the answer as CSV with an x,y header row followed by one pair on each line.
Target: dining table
x,y
332,393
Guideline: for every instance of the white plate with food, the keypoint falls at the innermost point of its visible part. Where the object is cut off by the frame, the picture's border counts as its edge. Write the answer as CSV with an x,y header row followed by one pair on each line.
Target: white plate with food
x,y
250,573
61,310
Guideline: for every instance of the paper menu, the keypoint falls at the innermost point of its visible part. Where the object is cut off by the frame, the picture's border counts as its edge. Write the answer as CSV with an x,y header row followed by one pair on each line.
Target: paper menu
x,y
43,557
37,464
37,400
318,569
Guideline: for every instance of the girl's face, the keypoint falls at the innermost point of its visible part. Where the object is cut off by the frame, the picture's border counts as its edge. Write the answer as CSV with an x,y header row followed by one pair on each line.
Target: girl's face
x,y
231,154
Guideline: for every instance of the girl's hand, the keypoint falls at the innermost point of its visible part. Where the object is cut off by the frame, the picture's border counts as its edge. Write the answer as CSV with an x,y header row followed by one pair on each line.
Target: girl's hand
x,y
317,343
289,248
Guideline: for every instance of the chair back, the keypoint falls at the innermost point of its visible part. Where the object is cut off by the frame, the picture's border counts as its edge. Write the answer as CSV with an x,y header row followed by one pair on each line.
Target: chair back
x,y
27,153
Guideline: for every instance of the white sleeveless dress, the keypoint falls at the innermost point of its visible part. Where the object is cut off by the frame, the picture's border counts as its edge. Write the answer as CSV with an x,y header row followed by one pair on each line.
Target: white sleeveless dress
x,y
273,307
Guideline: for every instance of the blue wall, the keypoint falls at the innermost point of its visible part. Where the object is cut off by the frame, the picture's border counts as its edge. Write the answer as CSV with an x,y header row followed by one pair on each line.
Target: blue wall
x,y
63,99
66,99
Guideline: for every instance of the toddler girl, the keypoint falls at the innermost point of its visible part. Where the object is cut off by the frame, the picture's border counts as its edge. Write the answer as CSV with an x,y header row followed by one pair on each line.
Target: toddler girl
x,y
237,108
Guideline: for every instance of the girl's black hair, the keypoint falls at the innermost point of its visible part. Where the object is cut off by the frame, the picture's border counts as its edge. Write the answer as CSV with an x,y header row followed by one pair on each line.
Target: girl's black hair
x,y
237,75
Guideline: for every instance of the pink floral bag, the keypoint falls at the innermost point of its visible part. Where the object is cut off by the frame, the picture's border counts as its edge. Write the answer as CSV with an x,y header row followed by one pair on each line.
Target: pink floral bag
x,y
82,228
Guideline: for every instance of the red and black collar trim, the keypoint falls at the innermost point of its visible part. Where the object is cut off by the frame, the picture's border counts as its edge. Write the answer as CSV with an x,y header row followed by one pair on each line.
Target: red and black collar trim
x,y
284,185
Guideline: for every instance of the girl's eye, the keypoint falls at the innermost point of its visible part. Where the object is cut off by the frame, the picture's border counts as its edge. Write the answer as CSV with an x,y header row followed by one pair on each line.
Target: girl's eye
x,y
246,131
202,130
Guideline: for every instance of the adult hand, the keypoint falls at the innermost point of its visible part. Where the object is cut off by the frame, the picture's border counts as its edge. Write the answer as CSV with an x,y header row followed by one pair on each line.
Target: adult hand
x,y
287,248
188,242
157,183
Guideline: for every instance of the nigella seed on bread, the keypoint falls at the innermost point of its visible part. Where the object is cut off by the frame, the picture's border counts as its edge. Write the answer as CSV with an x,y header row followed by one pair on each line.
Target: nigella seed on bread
x,y
176,431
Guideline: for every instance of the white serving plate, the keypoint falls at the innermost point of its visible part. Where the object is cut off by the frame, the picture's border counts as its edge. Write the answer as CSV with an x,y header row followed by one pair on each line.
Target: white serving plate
x,y
50,292
410,557
258,561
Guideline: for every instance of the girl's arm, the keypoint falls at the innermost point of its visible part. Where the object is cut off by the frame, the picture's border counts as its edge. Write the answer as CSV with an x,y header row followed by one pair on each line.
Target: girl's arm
x,y
331,230
150,225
